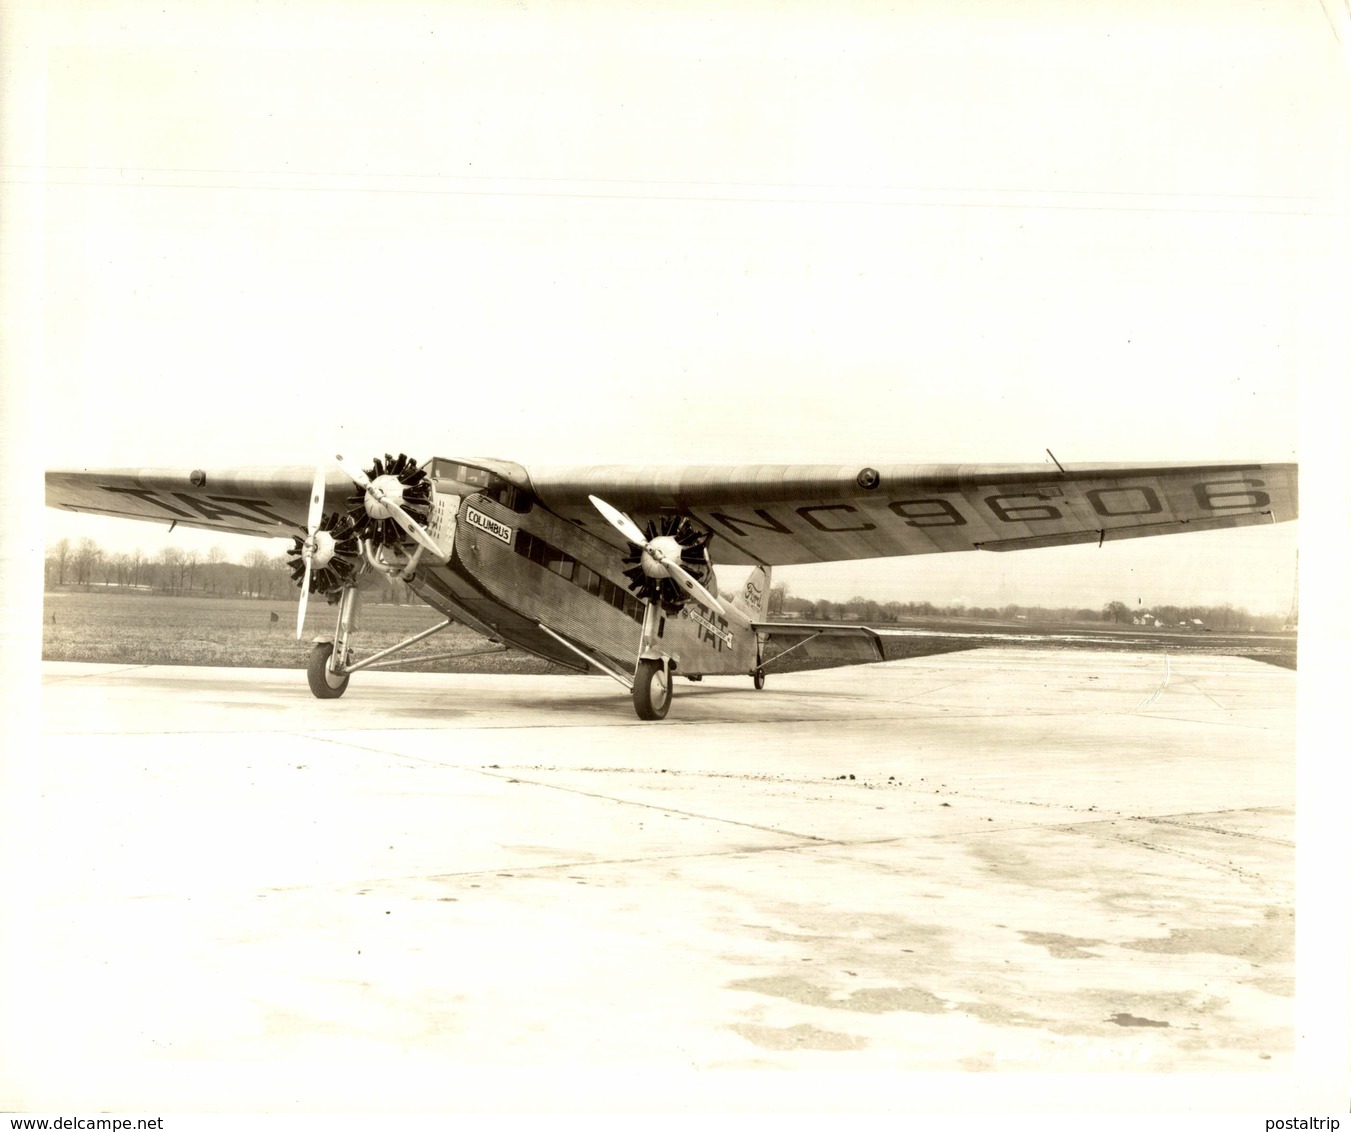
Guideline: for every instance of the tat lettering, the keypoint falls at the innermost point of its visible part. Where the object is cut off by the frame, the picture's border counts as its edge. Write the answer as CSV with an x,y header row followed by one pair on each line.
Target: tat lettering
x,y
262,513
707,631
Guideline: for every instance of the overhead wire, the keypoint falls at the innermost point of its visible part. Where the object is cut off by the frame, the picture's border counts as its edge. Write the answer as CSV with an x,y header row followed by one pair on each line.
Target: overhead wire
x,y
711,192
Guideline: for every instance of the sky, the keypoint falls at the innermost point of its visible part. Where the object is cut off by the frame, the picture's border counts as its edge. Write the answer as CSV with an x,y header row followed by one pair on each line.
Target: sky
x,y
707,233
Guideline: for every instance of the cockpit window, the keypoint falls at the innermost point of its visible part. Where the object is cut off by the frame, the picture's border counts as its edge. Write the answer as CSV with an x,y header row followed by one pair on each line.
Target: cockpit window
x,y
461,473
448,475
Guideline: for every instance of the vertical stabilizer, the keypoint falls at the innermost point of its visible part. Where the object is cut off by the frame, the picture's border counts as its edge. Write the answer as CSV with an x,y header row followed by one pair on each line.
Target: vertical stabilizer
x,y
754,596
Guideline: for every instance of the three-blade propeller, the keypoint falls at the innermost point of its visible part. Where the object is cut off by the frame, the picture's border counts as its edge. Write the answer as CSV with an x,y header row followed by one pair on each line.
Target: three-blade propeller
x,y
660,555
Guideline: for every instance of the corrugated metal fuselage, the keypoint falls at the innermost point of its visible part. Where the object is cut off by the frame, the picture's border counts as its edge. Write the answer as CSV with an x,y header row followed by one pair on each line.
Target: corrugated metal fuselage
x,y
514,570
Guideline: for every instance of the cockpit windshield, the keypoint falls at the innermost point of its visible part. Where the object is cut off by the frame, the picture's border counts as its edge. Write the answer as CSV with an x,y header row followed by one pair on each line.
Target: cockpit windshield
x,y
454,478
477,478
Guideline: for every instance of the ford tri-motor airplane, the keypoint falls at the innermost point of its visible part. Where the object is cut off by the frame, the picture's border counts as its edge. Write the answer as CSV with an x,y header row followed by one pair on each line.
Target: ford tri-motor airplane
x,y
611,568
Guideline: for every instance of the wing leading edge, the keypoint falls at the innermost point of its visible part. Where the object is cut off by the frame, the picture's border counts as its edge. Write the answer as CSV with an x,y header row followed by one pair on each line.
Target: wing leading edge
x,y
269,503
788,514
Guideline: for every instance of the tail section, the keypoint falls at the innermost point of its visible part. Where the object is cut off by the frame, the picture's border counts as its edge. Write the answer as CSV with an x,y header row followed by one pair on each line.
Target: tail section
x,y
753,599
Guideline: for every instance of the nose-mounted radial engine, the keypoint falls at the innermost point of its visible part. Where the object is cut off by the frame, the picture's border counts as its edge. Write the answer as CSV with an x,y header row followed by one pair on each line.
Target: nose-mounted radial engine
x,y
393,492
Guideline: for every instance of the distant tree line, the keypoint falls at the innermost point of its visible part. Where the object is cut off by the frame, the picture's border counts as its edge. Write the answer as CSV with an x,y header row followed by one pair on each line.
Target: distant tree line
x,y
1224,618
182,572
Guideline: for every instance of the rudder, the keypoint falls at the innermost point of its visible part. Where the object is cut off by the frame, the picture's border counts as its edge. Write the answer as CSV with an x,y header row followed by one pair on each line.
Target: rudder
x,y
754,595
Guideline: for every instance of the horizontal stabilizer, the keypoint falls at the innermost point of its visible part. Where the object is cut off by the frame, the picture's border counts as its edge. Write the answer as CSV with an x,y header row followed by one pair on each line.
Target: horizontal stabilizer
x,y
800,647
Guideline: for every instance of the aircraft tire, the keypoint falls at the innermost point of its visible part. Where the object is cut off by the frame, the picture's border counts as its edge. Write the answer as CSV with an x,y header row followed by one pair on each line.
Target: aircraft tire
x,y
758,678
323,683
652,690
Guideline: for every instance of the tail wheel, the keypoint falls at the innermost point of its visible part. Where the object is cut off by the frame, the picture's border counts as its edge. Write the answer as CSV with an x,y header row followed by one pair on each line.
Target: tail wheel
x,y
759,679
323,683
652,689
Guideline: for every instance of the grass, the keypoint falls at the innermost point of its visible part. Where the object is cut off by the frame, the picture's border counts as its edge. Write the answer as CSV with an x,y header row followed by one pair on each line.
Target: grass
x,y
131,627
136,628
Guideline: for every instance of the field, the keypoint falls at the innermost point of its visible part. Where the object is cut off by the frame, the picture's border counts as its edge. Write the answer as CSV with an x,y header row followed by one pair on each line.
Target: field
x,y
152,628
1279,648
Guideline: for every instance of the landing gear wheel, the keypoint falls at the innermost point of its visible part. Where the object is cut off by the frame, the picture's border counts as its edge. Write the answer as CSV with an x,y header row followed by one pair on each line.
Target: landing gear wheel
x,y
323,683
652,690
759,678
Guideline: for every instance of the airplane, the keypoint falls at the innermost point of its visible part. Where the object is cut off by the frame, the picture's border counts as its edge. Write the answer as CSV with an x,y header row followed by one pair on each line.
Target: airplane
x,y
611,568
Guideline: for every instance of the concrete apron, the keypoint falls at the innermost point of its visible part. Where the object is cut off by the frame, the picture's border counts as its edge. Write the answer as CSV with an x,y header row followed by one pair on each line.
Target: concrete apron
x,y
992,860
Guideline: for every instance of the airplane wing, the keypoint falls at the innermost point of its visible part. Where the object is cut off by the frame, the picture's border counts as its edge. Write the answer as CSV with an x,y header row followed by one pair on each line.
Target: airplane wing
x,y
786,514
771,514
267,502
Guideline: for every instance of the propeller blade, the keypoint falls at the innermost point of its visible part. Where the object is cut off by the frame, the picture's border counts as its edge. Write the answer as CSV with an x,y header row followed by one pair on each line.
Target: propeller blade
x,y
355,474
621,522
316,501
315,517
690,584
304,596
409,524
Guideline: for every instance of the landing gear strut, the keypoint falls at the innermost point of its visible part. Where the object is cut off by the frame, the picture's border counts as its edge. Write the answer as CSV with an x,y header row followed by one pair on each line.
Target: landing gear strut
x,y
331,662
328,660
652,689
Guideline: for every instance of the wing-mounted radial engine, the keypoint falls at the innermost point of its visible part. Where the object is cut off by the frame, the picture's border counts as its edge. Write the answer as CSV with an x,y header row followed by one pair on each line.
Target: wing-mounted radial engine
x,y
648,564
327,559
666,564
331,554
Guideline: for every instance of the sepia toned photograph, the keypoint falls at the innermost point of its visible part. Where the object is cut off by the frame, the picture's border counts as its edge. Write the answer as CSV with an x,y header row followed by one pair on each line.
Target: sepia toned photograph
x,y
662,558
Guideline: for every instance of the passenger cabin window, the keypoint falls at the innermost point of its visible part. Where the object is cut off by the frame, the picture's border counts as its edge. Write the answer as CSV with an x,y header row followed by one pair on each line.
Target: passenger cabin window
x,y
480,480
569,569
